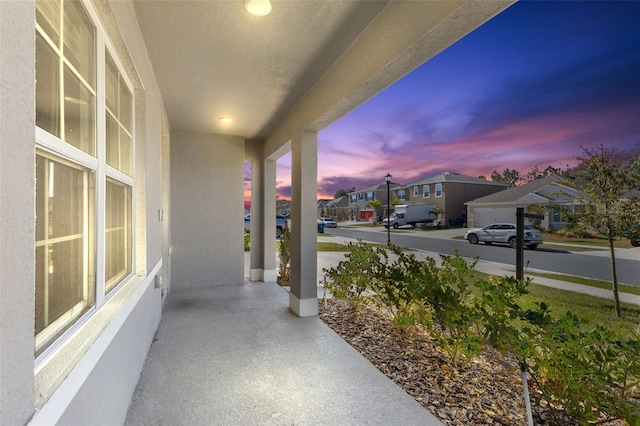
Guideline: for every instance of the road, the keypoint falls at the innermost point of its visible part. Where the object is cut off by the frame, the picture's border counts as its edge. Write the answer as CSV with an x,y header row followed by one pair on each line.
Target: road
x,y
582,265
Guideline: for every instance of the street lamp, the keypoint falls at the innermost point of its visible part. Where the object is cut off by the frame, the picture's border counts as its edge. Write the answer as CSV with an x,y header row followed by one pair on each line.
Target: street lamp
x,y
388,179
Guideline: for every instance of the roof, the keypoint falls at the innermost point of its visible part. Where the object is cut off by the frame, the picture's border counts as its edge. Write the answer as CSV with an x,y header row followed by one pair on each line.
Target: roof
x,y
455,178
376,187
536,191
339,202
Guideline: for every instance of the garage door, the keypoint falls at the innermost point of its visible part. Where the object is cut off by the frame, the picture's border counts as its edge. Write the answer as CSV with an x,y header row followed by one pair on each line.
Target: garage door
x,y
486,215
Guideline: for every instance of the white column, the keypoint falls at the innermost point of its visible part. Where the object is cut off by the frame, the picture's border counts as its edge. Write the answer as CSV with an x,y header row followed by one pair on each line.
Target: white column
x,y
269,220
256,268
303,298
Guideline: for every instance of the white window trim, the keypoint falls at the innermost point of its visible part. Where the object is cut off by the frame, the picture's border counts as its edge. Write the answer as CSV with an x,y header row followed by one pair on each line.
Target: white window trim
x,y
427,193
439,185
56,146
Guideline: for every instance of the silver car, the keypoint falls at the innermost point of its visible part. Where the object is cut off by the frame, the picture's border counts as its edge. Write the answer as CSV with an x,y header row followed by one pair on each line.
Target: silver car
x,y
328,223
503,233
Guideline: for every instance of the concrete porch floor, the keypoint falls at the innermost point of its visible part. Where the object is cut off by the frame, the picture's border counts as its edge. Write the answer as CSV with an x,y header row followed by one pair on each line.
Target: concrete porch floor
x,y
236,355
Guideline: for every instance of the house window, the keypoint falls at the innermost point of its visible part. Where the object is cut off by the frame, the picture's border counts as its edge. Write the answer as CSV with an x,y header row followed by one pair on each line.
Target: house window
x,y
402,194
353,198
370,196
425,191
361,196
84,170
415,191
64,246
438,190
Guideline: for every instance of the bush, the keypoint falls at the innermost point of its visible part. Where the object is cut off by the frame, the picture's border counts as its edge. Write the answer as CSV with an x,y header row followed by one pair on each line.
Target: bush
x,y
284,268
247,240
589,372
351,278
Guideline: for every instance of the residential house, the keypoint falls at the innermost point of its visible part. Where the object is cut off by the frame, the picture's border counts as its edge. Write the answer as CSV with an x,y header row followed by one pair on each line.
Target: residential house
x,y
124,131
322,208
338,209
549,196
449,191
358,200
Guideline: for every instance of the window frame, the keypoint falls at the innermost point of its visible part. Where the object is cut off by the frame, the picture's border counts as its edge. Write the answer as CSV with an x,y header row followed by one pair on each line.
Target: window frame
x,y
426,191
438,190
57,147
416,190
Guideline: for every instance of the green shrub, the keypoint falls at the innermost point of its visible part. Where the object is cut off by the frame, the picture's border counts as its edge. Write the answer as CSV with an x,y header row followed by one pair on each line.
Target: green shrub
x,y
587,371
284,250
247,240
352,277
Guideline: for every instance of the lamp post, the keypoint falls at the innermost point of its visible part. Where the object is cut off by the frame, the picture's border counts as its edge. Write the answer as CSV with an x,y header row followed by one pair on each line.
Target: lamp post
x,y
388,179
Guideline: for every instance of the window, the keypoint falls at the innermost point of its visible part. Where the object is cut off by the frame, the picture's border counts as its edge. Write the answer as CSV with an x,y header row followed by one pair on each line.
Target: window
x,y
353,198
438,190
65,274
425,191
370,196
402,194
415,191
84,170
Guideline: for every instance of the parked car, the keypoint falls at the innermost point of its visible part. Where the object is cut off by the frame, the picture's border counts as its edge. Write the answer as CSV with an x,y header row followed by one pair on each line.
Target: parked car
x,y
633,234
281,223
504,233
328,223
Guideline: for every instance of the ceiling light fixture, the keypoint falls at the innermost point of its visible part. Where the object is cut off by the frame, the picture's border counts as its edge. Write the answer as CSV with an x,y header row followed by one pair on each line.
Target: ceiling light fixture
x,y
225,120
258,7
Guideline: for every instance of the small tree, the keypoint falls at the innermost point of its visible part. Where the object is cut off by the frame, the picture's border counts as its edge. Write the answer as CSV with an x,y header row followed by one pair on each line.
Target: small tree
x,y
610,176
375,205
284,269
438,212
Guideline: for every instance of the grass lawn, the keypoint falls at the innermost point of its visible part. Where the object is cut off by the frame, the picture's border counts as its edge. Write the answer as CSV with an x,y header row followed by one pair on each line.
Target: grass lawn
x,y
597,242
593,310
631,289
329,246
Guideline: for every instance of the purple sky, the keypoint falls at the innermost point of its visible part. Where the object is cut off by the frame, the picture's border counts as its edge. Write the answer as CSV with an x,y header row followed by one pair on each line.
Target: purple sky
x,y
526,89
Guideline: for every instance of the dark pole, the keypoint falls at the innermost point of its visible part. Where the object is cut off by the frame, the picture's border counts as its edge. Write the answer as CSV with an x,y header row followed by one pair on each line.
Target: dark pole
x,y
388,179
519,243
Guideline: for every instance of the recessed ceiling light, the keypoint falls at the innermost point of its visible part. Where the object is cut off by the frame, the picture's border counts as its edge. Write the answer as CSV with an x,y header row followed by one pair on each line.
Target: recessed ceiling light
x,y
258,7
225,120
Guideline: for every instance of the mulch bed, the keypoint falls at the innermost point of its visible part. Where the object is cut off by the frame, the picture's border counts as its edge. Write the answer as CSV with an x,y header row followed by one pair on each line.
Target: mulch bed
x,y
487,392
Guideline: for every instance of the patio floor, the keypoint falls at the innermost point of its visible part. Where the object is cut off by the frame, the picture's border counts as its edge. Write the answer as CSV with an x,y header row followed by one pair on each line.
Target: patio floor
x,y
236,355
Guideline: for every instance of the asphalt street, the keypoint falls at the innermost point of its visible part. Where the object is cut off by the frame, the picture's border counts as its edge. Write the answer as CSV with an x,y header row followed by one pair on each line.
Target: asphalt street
x,y
547,259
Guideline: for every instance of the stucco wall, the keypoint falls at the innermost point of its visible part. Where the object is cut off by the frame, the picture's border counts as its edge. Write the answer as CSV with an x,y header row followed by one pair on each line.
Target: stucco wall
x,y
108,393
17,144
207,175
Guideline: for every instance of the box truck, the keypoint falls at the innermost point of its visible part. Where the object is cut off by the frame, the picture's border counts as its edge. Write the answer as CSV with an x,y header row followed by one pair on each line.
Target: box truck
x,y
411,214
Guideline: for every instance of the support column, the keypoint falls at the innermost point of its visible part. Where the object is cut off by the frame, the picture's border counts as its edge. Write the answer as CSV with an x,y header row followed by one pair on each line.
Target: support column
x,y
256,265
263,226
303,298
269,221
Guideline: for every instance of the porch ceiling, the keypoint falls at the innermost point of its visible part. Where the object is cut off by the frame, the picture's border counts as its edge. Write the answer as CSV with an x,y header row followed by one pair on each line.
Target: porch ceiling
x,y
213,58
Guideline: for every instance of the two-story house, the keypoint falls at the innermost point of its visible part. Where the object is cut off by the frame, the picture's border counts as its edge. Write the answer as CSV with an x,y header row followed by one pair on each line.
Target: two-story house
x,y
338,208
358,200
449,191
